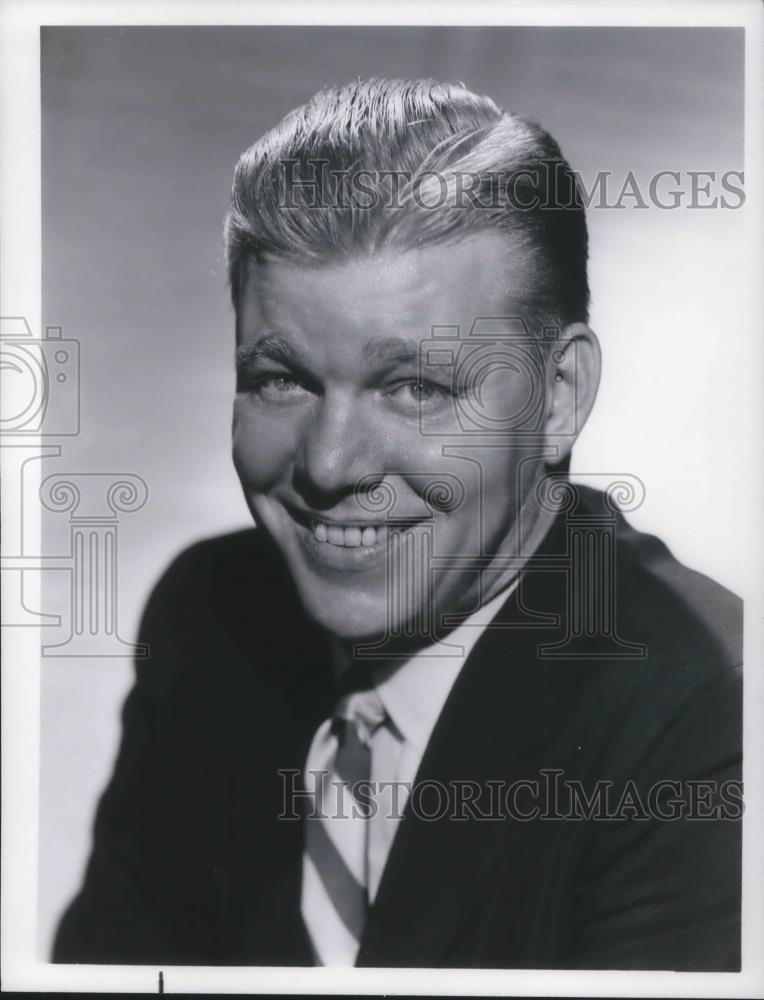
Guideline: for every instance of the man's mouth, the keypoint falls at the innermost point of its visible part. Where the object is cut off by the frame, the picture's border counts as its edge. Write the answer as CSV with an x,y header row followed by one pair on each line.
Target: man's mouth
x,y
334,545
349,536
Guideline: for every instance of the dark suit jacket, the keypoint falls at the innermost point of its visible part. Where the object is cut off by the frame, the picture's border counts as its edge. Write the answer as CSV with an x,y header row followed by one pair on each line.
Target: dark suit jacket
x,y
191,864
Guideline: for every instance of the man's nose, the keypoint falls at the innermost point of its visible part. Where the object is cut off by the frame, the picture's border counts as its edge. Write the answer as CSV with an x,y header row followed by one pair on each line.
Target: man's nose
x,y
337,448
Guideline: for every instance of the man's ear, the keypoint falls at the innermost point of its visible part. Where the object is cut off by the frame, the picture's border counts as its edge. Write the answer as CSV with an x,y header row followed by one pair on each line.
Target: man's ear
x,y
573,376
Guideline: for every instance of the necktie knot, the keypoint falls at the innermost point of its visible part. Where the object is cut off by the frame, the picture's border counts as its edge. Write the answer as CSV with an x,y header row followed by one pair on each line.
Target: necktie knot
x,y
363,710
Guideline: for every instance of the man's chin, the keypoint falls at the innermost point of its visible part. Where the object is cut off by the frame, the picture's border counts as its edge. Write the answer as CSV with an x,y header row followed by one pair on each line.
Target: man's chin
x,y
358,610
348,626
374,632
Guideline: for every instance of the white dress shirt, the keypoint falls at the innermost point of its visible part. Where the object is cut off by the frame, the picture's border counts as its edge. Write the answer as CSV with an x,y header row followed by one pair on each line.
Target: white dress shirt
x,y
413,695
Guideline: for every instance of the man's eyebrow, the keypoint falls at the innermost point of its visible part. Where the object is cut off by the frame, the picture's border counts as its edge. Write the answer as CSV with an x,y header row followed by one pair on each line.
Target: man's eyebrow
x,y
274,347
392,350
271,346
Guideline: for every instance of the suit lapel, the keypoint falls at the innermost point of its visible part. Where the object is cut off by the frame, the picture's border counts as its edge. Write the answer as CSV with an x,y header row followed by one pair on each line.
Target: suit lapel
x,y
502,721
287,666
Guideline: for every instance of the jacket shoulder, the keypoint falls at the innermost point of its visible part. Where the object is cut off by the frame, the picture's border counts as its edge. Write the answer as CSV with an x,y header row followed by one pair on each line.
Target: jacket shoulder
x,y
688,606
676,610
226,611
238,556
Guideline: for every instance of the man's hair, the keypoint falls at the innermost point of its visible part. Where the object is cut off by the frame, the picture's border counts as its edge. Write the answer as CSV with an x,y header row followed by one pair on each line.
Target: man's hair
x,y
404,164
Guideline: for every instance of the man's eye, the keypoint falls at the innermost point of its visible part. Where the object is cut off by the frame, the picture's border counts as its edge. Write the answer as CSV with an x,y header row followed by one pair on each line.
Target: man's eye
x,y
418,394
278,388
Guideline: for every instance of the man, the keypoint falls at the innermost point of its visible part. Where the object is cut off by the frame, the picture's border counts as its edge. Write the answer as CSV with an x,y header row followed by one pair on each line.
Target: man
x,y
441,707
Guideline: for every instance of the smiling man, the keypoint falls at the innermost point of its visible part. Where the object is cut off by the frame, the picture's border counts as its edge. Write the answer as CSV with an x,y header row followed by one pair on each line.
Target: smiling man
x,y
335,401
441,706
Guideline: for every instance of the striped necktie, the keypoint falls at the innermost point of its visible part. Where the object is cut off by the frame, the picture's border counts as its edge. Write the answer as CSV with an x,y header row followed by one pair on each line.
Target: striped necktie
x,y
335,878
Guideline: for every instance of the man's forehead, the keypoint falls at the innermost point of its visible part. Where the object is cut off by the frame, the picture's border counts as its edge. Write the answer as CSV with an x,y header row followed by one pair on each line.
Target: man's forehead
x,y
442,284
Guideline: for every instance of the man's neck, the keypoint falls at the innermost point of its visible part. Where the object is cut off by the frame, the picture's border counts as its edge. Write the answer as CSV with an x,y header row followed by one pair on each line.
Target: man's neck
x,y
398,650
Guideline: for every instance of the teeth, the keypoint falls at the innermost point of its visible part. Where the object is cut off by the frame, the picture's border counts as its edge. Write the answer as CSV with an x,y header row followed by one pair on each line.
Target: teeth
x,y
368,536
351,537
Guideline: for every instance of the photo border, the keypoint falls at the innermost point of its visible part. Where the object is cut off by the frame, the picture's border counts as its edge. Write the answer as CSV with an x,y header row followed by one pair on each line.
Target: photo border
x,y
20,259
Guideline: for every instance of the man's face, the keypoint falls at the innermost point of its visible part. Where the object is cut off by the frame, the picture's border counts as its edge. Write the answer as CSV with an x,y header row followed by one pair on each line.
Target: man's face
x,y
338,428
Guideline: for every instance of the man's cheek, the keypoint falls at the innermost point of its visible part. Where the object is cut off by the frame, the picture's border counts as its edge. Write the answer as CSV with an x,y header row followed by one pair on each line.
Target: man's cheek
x,y
262,454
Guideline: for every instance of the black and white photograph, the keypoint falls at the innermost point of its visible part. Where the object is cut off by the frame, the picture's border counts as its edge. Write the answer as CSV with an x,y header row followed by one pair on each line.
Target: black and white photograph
x,y
382,485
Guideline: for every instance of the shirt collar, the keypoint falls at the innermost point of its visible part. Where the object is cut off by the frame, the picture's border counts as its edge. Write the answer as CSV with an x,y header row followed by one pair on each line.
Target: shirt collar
x,y
415,692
